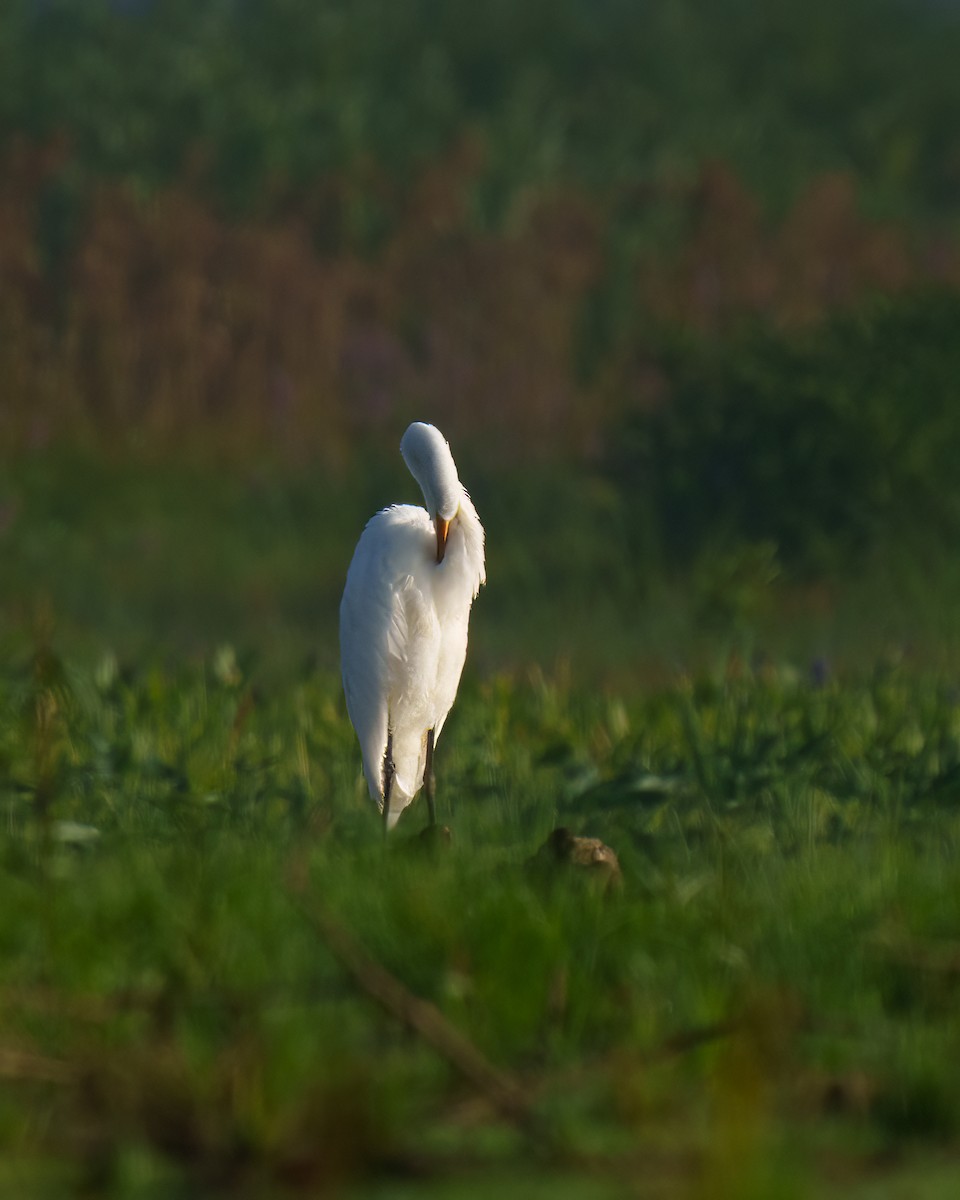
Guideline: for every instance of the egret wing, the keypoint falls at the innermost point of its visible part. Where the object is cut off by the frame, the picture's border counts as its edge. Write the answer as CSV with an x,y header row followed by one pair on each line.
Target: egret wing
x,y
366,623
382,614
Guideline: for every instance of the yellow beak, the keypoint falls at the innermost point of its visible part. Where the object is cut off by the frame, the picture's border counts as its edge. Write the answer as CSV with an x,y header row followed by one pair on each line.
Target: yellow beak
x,y
443,528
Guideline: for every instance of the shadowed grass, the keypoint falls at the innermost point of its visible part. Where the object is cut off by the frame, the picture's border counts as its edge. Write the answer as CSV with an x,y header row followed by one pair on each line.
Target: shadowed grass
x,y
153,563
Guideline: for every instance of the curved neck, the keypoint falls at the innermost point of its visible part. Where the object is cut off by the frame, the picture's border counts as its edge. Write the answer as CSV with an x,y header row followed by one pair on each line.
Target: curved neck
x,y
430,462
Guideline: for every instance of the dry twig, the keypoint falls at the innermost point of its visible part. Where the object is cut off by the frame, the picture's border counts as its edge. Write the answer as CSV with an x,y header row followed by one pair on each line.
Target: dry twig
x,y
425,1020
20,1065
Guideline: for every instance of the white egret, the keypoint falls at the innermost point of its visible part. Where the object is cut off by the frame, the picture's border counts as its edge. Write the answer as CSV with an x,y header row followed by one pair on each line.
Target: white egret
x,y
403,623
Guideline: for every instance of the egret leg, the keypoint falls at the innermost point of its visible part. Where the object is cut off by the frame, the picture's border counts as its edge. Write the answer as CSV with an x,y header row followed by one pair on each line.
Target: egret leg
x,y
389,771
428,781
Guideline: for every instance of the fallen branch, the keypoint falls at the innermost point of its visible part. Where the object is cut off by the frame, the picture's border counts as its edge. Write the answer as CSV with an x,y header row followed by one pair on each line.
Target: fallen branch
x,y
89,1008
934,958
673,1046
685,1040
425,1020
22,1064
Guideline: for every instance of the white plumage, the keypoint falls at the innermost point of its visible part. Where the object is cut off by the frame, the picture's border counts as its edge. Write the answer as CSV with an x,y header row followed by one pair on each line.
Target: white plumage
x,y
403,623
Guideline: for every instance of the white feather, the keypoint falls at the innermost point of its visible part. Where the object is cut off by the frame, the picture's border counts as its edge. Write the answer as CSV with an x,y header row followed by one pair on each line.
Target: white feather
x,y
404,619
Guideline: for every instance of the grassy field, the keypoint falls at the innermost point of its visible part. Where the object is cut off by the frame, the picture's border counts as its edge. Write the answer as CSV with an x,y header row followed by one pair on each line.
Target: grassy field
x,y
218,978
766,1006
161,563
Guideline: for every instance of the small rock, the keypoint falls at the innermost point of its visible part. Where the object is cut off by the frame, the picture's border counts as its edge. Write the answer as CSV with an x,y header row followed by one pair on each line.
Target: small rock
x,y
563,848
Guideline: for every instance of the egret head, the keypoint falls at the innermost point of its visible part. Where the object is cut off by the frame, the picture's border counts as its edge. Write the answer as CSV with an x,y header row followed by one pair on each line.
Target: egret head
x,y
428,458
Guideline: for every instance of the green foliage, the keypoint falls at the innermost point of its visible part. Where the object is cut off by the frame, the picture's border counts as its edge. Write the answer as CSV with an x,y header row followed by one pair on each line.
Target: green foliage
x,y
826,444
275,94
787,850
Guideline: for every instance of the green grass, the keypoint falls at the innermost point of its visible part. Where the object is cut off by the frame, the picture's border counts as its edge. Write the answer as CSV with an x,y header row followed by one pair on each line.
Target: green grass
x,y
162,563
173,1016
767,1007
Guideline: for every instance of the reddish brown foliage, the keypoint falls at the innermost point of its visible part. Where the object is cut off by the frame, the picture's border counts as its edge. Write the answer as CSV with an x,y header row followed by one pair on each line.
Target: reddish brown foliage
x,y
172,325
823,255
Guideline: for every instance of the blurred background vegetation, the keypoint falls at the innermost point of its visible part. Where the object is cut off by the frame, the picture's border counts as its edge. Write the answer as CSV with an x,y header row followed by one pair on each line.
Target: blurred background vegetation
x,y
680,281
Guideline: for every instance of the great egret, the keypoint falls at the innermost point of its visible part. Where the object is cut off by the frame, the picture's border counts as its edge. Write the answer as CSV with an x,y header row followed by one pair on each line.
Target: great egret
x,y
403,623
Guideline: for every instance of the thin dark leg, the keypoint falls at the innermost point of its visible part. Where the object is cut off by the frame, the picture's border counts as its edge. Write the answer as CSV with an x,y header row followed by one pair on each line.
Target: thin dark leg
x,y
428,782
389,770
